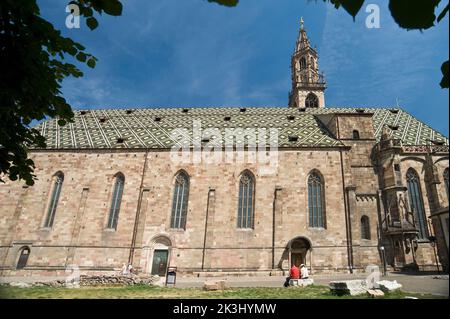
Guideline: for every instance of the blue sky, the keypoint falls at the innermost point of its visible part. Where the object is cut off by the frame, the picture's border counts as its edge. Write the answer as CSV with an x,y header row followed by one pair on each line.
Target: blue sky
x,y
189,53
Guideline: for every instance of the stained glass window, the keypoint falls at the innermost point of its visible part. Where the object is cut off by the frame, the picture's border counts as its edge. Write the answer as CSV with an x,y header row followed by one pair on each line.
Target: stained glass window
x,y
316,200
115,201
57,185
416,201
246,201
180,201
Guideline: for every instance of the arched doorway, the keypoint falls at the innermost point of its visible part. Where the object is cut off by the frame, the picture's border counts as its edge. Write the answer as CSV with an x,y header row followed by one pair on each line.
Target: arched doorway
x,y
160,256
298,250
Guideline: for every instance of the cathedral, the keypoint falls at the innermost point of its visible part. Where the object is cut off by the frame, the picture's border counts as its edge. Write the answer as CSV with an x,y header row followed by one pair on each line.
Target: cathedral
x,y
336,189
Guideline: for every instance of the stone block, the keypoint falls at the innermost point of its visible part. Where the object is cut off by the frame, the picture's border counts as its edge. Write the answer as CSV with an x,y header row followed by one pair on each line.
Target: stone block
x,y
375,293
348,287
301,282
19,284
388,286
210,286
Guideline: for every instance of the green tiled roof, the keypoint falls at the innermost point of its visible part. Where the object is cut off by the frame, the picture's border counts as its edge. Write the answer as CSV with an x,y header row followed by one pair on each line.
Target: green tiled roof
x,y
152,127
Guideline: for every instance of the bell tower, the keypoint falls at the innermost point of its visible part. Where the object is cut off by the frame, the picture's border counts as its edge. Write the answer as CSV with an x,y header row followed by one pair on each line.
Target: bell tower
x,y
308,85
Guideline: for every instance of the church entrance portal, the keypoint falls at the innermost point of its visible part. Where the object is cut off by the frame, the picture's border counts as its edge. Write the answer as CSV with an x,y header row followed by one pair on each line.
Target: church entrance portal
x,y
298,248
159,258
159,266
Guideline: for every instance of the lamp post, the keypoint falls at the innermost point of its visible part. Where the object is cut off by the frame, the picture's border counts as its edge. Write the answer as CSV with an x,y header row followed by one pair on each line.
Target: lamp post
x,y
383,254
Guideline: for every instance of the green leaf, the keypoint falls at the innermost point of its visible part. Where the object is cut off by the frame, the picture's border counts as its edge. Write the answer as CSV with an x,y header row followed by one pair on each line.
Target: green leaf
x,y
71,50
442,14
88,12
79,46
112,7
352,6
92,23
444,70
414,14
91,63
81,56
61,122
228,3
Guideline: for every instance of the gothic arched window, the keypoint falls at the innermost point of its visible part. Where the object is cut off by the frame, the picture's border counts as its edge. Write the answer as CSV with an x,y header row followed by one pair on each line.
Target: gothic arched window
x,y
246,200
355,134
311,100
312,63
23,257
446,183
365,227
316,200
302,63
115,201
58,180
180,201
416,201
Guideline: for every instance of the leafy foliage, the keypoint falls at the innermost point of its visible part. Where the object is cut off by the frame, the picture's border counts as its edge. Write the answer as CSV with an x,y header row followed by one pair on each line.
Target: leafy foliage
x,y
228,3
32,54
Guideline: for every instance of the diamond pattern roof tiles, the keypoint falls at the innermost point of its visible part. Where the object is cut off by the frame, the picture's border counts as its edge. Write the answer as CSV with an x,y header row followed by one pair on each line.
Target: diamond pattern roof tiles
x,y
139,129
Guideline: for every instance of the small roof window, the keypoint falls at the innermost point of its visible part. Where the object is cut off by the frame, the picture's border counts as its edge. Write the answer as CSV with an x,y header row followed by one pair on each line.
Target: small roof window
x,y
393,127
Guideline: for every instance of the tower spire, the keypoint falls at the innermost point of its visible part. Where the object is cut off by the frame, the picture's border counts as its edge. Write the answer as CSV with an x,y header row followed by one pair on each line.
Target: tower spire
x,y
302,41
308,85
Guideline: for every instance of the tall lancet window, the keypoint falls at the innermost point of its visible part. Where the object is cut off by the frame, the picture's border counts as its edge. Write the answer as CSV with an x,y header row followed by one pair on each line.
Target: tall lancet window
x,y
446,183
246,200
180,201
416,201
58,179
302,63
311,100
115,201
365,227
316,201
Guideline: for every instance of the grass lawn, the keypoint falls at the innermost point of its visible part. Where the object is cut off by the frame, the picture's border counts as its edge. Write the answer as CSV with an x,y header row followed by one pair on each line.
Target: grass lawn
x,y
141,292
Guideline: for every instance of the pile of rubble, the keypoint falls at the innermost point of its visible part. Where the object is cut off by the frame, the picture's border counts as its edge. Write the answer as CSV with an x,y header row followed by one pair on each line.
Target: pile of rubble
x,y
90,280
116,280
359,287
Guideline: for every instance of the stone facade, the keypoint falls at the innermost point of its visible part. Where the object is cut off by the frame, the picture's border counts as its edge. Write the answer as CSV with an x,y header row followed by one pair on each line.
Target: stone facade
x,y
361,155
79,234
